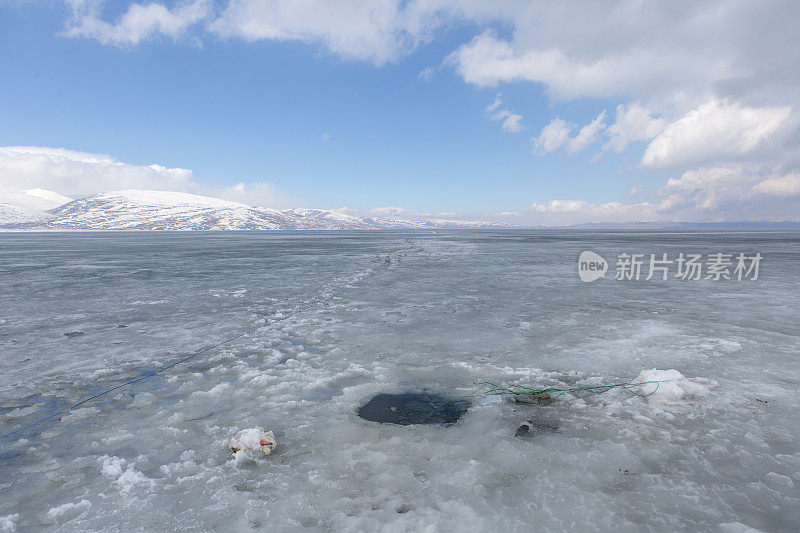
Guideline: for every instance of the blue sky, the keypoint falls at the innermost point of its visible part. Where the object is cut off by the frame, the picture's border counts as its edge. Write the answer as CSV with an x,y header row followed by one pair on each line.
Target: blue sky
x,y
319,112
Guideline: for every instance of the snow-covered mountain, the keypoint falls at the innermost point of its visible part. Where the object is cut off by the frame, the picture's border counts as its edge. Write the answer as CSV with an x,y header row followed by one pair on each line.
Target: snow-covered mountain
x,y
19,206
161,210
175,211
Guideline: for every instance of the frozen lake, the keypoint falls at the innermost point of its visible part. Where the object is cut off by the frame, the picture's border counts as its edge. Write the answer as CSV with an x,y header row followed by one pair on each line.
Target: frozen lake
x,y
422,312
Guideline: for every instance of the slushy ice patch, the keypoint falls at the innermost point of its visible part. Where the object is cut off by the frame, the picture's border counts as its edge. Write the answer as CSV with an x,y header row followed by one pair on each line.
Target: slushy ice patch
x,y
413,408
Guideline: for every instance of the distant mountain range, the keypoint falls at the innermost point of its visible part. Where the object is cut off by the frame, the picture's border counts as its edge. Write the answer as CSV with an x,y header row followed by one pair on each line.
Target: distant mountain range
x,y
140,210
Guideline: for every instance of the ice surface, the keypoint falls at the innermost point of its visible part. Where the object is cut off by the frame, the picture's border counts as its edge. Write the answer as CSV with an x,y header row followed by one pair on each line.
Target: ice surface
x,y
433,311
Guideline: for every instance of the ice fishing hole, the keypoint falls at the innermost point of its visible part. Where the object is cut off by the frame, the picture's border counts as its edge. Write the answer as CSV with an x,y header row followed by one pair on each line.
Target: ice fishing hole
x,y
413,408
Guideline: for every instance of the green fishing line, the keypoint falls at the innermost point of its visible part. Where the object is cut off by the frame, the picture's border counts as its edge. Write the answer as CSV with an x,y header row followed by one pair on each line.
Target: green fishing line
x,y
492,389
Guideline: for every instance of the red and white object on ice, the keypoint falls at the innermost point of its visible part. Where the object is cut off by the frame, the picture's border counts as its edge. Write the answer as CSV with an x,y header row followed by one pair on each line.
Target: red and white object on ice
x,y
254,440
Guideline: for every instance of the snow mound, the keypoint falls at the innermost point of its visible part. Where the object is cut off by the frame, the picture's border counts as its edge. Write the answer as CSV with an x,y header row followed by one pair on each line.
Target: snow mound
x,y
253,440
8,523
673,387
124,475
69,511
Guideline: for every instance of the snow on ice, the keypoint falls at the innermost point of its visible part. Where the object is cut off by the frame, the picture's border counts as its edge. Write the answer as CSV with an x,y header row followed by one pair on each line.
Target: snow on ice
x,y
672,387
448,309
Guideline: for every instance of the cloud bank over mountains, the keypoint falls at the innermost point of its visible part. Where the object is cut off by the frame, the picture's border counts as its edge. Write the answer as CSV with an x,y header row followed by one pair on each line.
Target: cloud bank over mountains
x,y
79,174
701,93
76,174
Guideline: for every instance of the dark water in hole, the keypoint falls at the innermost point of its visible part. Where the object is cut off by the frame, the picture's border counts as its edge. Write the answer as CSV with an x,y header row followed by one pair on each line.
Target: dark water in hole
x,y
413,408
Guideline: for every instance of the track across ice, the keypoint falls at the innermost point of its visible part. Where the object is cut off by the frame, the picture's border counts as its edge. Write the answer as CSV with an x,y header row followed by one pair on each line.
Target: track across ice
x,y
483,387
383,260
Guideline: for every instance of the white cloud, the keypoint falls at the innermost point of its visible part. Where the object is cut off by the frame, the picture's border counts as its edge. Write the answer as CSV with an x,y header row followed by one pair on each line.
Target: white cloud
x,y
557,135
141,22
76,173
560,206
706,189
664,61
728,193
633,123
254,193
567,212
498,101
783,186
426,74
587,134
500,115
667,52
387,211
575,49
733,192
402,213
488,60
511,122
699,80
377,31
715,130
349,211
553,136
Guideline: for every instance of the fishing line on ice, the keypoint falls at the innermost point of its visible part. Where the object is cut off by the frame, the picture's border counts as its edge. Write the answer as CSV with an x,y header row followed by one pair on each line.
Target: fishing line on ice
x,y
549,393
274,321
